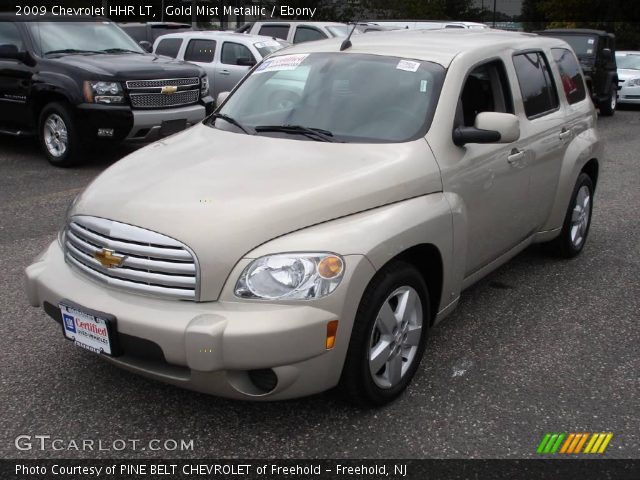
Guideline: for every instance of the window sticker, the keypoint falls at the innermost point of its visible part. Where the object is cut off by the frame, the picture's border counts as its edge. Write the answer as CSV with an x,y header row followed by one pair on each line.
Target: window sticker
x,y
589,51
591,41
423,85
408,65
284,62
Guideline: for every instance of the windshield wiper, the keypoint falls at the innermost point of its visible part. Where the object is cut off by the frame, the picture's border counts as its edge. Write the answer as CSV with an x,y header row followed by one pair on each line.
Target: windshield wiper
x,y
317,134
70,51
233,121
120,50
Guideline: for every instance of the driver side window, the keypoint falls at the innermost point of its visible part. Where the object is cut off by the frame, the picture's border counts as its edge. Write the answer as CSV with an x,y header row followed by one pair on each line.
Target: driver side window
x,y
485,90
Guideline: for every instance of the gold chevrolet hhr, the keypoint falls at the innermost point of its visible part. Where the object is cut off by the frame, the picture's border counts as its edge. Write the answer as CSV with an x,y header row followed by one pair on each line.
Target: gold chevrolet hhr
x,y
309,233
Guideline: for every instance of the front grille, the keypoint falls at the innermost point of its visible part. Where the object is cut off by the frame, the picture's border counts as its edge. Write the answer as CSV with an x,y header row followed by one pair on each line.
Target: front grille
x,y
160,100
177,82
154,264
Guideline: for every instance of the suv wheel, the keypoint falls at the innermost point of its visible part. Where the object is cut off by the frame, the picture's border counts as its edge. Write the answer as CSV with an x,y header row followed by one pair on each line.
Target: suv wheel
x,y
577,220
58,135
388,336
608,107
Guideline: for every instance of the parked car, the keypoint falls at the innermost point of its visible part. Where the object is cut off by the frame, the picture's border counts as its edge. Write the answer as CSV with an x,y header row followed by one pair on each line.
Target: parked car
x,y
145,34
296,32
596,52
297,247
628,77
225,56
76,83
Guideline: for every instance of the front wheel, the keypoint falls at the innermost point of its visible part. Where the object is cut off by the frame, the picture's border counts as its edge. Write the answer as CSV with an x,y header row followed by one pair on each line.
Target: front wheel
x,y
388,336
608,106
577,220
58,134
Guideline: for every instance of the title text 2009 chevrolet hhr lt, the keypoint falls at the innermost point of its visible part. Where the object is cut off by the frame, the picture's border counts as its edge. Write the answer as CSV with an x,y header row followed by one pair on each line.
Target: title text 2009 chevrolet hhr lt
x,y
309,233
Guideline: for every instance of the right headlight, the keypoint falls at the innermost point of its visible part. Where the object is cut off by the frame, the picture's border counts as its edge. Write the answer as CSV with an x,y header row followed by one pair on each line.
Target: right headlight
x,y
291,276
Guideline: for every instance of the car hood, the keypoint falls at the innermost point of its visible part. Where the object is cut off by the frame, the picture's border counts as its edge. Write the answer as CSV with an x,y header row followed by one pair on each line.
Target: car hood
x,y
223,193
626,74
131,66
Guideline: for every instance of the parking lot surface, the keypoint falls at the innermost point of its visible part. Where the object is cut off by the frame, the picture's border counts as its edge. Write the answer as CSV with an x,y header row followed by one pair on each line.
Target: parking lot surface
x,y
541,345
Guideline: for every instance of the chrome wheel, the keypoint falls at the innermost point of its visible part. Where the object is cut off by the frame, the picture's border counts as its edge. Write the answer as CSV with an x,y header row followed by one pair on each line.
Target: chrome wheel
x,y
56,137
614,99
395,337
580,217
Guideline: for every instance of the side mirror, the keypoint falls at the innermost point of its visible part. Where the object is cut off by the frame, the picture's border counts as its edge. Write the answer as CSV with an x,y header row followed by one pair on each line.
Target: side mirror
x,y
10,51
146,46
245,61
489,127
606,53
222,96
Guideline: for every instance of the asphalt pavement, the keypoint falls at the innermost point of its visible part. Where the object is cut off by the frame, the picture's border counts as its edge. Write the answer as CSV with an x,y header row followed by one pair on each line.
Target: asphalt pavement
x,y
541,345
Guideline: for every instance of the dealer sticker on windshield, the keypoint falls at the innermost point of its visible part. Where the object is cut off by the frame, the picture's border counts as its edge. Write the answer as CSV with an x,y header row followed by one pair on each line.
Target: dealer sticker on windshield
x,y
408,65
284,62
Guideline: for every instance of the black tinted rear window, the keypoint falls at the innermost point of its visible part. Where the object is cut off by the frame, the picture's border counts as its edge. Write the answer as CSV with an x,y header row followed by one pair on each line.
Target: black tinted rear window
x,y
536,83
278,31
572,81
201,51
169,47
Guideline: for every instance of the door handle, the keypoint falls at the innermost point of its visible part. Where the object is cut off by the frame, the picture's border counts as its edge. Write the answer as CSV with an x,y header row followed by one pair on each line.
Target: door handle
x,y
224,72
515,156
565,134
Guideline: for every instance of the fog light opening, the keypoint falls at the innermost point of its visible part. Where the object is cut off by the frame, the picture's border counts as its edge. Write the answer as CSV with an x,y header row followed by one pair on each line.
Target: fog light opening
x,y
264,379
332,329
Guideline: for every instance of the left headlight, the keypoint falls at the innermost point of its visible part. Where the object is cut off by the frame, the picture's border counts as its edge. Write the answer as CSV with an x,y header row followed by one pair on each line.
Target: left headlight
x,y
291,276
204,86
103,92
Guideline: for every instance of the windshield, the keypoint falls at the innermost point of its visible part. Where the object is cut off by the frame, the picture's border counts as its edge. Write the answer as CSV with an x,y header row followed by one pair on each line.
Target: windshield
x,y
339,30
268,47
631,62
581,44
351,97
70,37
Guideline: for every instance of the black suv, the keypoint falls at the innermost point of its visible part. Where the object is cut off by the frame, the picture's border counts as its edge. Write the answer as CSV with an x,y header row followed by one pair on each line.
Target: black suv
x,y
596,51
74,84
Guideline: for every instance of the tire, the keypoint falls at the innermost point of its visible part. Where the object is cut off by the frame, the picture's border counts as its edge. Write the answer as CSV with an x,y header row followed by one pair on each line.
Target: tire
x,y
577,221
608,107
368,376
59,136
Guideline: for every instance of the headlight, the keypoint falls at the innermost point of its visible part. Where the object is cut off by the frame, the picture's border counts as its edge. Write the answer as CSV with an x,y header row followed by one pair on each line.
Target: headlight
x,y
291,276
204,86
103,92
634,82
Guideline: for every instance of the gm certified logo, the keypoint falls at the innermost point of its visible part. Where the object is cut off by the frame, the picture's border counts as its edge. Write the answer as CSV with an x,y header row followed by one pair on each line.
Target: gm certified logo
x,y
108,258
169,89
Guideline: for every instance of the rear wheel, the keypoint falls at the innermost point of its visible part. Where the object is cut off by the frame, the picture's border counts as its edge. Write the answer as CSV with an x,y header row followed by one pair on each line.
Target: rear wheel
x,y
388,336
608,106
58,134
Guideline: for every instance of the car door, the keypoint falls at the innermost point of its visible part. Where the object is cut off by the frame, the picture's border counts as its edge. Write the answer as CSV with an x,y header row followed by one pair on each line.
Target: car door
x,y
15,79
491,179
202,52
545,125
235,61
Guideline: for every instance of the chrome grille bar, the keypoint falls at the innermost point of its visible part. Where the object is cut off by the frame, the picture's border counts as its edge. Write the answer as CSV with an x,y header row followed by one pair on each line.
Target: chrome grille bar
x,y
153,263
178,82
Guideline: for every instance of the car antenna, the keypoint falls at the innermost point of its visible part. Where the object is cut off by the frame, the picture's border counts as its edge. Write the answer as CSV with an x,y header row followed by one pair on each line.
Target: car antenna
x,y
347,41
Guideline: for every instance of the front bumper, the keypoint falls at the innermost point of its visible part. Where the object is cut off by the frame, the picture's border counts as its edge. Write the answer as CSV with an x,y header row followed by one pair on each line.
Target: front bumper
x,y
630,95
213,347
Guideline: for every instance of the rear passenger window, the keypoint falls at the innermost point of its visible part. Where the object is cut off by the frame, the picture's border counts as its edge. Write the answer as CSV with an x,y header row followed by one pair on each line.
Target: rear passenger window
x,y
307,34
169,47
571,75
536,83
201,51
231,52
278,31
485,90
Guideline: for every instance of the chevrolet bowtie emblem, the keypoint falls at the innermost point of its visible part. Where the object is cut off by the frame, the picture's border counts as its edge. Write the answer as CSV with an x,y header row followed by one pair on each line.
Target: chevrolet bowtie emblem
x,y
108,258
169,89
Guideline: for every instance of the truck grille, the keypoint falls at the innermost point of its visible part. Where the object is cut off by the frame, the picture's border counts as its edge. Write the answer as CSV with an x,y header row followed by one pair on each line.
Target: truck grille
x,y
149,93
159,100
153,264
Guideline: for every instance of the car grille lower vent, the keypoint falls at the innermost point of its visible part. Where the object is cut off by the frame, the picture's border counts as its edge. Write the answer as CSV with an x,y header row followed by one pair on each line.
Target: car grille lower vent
x,y
150,263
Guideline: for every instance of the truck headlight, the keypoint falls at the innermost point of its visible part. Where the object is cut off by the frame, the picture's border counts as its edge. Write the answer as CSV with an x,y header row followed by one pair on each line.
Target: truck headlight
x,y
291,276
103,92
634,82
204,86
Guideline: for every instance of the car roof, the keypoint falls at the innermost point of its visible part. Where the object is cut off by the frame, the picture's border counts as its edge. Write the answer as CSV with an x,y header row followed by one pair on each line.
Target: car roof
x,y
628,52
220,35
439,46
282,22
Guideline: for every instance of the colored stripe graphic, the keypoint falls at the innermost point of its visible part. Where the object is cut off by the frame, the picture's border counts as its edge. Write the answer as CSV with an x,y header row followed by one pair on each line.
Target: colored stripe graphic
x,y
573,443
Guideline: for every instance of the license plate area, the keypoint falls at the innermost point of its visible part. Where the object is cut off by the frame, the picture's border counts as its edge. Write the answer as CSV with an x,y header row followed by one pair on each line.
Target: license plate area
x,y
89,329
169,127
